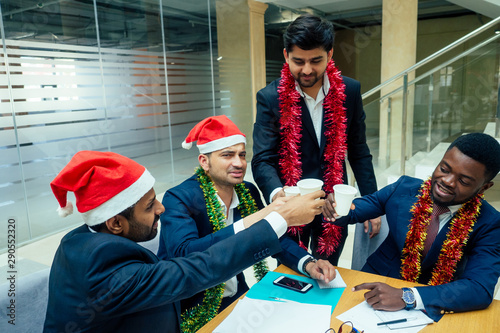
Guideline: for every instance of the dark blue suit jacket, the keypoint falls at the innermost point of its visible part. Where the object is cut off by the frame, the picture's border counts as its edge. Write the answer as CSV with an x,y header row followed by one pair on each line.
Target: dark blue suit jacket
x,y
478,271
266,141
185,228
106,283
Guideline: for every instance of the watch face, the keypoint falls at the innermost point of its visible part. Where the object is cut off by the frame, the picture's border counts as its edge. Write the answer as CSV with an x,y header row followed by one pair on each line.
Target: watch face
x,y
408,297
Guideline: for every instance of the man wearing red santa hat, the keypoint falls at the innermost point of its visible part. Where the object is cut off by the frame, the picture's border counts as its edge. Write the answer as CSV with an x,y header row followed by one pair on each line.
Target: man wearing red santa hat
x,y
216,203
101,280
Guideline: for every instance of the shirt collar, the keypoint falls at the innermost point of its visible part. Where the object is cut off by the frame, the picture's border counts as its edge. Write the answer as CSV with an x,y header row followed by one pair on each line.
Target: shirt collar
x,y
235,201
453,209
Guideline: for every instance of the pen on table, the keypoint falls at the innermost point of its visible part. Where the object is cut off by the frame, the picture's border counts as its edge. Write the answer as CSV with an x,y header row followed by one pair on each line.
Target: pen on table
x,y
283,300
393,322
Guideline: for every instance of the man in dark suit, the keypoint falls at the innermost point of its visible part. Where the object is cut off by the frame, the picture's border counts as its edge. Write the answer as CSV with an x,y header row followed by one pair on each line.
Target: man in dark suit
x,y
307,121
456,251
101,280
215,204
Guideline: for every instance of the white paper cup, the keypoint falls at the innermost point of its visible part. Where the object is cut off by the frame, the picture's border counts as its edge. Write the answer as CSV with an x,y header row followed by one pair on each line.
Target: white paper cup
x,y
344,194
309,185
291,191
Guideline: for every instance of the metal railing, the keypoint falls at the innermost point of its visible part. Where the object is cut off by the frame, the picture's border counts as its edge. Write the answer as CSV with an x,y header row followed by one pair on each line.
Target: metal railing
x,y
404,75
433,56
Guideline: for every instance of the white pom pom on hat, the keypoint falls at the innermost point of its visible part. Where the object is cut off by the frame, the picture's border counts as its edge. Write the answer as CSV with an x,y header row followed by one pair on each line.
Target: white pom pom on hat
x,y
65,211
214,133
186,145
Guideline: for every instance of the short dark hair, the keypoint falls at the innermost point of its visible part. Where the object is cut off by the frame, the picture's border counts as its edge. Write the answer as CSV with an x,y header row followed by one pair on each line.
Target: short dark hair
x,y
483,148
127,213
309,32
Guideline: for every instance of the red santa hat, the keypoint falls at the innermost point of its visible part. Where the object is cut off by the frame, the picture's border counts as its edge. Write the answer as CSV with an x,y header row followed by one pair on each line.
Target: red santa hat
x,y
214,133
104,184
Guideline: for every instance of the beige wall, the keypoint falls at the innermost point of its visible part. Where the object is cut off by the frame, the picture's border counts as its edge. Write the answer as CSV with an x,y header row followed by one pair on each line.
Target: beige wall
x,y
241,44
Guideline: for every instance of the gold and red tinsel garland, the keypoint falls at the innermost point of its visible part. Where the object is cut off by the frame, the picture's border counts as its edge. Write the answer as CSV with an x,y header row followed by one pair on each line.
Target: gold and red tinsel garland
x,y
335,149
196,317
452,250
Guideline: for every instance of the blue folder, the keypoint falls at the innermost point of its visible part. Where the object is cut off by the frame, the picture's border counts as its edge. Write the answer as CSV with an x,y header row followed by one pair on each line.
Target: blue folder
x,y
265,290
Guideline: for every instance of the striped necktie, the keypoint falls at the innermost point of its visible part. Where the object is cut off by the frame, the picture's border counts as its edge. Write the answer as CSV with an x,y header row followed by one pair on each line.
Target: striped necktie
x,y
433,228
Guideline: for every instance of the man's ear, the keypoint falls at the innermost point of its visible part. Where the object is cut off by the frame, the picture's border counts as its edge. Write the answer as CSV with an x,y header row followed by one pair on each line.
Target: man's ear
x,y
485,187
203,160
330,54
117,225
285,54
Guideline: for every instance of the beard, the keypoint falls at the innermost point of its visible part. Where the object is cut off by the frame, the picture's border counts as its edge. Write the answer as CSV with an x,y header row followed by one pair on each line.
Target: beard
x,y
142,233
436,200
307,84
315,78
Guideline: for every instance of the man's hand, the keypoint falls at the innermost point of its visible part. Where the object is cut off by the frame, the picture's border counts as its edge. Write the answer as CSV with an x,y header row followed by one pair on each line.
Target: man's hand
x,y
329,208
376,224
301,209
382,296
329,213
279,194
321,270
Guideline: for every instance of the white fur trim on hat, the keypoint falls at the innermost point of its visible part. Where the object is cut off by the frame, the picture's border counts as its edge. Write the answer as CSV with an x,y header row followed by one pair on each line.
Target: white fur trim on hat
x,y
65,211
121,201
221,143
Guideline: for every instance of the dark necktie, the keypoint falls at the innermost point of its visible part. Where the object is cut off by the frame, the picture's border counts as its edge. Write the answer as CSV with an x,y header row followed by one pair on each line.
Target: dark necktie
x,y
433,228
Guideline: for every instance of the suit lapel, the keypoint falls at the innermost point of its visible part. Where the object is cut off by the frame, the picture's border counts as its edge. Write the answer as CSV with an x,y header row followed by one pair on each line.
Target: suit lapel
x,y
323,137
237,215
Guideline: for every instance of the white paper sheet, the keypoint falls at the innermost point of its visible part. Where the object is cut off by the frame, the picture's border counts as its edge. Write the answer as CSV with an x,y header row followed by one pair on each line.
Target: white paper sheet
x,y
365,318
414,318
338,282
252,315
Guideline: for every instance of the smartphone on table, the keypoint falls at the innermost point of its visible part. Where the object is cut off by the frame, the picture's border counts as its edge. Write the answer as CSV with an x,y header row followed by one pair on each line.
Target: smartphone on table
x,y
292,284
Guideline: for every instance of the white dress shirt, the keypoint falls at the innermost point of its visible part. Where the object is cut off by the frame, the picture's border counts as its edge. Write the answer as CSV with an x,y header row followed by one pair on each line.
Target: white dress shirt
x,y
315,107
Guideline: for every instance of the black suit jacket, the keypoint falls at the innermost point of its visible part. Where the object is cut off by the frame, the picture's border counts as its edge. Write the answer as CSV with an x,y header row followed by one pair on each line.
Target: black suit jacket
x,y
186,228
107,283
266,141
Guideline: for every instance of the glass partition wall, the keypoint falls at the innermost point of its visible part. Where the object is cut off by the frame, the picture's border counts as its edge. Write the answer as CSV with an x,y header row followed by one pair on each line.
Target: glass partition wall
x,y
110,75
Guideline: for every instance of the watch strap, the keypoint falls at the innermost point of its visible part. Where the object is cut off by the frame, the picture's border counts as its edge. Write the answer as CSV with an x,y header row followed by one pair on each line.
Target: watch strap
x,y
308,260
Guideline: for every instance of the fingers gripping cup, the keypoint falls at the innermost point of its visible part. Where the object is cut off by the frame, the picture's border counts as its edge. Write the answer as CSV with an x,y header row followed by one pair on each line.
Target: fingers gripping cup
x,y
309,185
344,194
292,191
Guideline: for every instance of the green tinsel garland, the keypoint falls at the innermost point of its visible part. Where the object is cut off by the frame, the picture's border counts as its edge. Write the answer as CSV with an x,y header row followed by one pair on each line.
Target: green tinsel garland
x,y
195,318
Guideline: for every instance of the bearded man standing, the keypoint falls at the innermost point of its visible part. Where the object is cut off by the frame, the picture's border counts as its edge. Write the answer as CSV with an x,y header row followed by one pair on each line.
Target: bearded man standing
x,y
307,121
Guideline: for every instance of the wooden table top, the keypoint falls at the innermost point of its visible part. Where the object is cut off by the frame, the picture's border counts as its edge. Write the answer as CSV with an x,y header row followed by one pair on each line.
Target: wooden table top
x,y
487,320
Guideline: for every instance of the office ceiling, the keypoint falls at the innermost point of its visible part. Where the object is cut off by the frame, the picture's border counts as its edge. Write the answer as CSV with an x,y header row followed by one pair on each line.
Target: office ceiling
x,y
349,14
135,24
490,8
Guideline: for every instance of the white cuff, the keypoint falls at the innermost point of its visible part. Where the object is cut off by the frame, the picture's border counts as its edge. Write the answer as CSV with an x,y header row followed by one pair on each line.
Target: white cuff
x,y
418,299
276,190
301,263
238,226
277,222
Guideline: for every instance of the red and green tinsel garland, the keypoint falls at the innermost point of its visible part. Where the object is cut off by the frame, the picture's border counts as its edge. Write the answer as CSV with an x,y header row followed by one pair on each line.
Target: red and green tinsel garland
x,y
196,317
335,149
452,250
